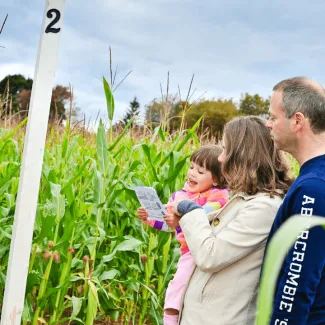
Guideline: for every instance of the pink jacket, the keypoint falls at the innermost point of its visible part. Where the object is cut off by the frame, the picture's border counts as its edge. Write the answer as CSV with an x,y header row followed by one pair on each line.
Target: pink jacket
x,y
211,200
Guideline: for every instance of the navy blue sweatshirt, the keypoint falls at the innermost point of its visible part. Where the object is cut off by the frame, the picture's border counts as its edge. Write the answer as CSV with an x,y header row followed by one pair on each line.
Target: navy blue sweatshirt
x,y
300,292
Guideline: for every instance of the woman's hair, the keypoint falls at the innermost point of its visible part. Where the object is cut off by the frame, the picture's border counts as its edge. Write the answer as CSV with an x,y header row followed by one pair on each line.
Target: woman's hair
x,y
252,163
207,156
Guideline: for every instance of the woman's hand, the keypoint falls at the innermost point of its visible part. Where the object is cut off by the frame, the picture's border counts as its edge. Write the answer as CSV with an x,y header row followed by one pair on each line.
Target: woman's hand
x,y
173,207
142,214
172,220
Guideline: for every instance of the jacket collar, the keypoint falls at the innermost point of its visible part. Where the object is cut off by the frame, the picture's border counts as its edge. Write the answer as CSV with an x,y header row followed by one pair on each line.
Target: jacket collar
x,y
237,197
248,197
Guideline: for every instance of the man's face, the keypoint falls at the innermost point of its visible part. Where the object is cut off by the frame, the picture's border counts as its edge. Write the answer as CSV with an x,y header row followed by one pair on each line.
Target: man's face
x,y
279,125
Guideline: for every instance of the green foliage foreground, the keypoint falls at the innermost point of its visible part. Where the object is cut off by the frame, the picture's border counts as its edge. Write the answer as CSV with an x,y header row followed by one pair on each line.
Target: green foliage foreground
x,y
91,257
277,251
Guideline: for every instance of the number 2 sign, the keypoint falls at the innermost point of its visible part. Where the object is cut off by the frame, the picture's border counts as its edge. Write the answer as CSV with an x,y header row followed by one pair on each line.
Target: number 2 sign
x,y
31,166
57,15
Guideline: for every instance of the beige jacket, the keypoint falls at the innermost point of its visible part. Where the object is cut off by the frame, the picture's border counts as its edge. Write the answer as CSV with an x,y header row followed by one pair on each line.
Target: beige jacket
x,y
228,254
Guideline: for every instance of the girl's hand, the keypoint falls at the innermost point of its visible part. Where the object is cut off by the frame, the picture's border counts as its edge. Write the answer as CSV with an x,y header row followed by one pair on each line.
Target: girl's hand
x,y
172,207
172,220
142,214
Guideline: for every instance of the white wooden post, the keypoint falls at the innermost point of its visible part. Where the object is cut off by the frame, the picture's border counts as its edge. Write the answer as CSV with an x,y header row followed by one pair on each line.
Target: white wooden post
x,y
32,163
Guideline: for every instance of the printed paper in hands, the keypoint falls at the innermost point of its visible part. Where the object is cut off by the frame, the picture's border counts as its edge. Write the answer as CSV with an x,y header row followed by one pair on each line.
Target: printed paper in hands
x,y
149,200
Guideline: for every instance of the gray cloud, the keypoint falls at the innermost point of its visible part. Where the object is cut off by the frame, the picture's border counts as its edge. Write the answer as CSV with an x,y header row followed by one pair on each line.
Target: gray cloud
x,y
231,47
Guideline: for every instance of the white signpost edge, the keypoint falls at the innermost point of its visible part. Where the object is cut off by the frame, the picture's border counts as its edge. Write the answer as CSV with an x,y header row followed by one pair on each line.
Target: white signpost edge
x,y
32,161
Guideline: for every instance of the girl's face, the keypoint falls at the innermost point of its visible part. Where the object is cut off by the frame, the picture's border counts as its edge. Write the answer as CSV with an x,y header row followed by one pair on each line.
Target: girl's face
x,y
199,179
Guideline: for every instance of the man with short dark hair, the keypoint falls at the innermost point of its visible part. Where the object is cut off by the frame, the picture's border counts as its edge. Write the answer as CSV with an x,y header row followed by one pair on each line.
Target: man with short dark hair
x,y
297,125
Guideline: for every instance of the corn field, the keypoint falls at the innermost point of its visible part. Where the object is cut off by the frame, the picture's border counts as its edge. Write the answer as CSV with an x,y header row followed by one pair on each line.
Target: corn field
x,y
92,258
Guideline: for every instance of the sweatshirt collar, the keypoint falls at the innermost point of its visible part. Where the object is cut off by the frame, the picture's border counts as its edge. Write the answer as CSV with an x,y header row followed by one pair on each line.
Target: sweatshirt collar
x,y
311,164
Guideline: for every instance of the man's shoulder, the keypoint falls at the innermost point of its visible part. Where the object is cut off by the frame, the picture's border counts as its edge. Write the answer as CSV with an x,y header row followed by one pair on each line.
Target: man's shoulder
x,y
310,182
306,192
311,186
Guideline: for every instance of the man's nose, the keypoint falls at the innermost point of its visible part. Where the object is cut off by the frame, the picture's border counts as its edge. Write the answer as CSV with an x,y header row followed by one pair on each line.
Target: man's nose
x,y
268,124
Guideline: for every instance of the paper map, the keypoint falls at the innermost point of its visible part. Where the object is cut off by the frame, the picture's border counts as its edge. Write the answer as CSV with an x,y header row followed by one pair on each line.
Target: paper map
x,y
149,200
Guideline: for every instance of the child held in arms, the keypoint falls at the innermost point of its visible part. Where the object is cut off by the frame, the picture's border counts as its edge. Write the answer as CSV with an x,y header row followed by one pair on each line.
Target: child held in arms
x,y
205,186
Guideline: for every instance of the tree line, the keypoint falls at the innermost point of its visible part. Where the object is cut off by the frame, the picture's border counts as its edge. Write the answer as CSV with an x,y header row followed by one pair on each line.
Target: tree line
x,y
171,113
15,94
175,115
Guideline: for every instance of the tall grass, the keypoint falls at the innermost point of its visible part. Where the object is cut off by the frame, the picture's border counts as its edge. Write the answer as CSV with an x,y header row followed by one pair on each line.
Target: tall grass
x,y
91,257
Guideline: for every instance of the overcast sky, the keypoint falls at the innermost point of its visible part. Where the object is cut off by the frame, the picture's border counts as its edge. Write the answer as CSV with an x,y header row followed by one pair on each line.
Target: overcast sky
x,y
232,47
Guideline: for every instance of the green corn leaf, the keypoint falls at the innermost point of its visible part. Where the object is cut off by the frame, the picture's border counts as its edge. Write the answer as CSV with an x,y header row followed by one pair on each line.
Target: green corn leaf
x,y
13,131
107,258
5,233
68,231
92,303
10,200
154,298
2,278
46,227
102,153
74,278
133,167
34,278
109,99
196,140
173,147
171,266
4,212
6,182
146,151
76,176
173,173
155,314
160,132
73,145
58,201
109,275
189,134
66,139
119,152
278,248
128,245
76,306
98,187
113,314
157,158
28,311
118,139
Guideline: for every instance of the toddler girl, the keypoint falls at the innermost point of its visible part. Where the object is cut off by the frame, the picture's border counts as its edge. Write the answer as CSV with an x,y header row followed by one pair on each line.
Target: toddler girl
x,y
205,186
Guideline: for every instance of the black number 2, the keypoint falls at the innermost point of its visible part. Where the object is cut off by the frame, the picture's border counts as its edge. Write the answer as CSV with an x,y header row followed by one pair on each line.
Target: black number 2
x,y
49,28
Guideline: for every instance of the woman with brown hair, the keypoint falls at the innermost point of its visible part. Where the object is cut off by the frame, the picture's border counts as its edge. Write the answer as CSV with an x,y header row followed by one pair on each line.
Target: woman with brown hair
x,y
228,253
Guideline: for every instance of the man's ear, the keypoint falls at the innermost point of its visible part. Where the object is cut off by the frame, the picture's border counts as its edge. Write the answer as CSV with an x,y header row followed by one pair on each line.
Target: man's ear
x,y
299,120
